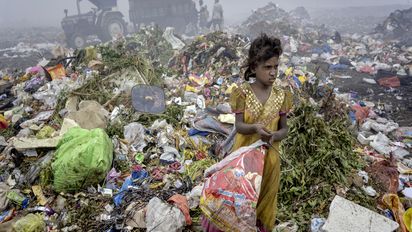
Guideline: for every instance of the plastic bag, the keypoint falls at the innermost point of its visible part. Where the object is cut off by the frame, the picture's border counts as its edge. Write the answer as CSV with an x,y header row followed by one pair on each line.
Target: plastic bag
x,y
4,201
161,217
395,205
211,125
407,219
385,174
83,158
229,197
134,133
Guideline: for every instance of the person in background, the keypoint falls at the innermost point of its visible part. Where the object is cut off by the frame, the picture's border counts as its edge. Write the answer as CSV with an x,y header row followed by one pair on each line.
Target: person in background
x,y
203,15
217,16
337,37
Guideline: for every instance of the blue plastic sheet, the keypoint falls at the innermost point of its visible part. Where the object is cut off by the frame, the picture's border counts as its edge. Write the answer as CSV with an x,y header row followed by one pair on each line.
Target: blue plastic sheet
x,y
193,132
136,174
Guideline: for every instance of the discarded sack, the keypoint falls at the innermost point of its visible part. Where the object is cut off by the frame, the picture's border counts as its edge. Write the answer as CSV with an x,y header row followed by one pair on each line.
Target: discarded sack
x,y
83,158
385,174
230,194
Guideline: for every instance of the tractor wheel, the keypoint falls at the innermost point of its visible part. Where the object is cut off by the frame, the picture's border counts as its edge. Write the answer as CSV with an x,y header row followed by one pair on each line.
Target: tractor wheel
x,y
77,41
112,27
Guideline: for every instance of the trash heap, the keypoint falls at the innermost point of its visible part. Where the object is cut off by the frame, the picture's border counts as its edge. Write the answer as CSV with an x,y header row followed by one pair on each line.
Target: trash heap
x,y
87,160
353,19
78,156
397,25
216,53
323,78
300,13
20,49
275,21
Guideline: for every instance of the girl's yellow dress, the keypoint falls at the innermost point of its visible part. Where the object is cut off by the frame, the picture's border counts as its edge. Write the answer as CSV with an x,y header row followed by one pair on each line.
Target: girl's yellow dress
x,y
243,100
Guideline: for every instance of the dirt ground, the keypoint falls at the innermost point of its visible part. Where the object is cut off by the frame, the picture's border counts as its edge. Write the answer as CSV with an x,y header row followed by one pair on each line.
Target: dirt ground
x,y
399,99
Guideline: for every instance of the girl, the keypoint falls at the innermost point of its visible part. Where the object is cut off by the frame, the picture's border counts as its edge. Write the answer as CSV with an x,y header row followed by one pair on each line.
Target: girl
x,y
261,108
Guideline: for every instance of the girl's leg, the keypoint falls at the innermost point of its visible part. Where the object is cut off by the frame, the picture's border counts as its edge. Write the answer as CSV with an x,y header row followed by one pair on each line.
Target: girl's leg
x,y
260,227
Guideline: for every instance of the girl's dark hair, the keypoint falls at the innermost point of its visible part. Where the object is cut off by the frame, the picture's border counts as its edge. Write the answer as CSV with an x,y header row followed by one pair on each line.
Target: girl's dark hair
x,y
262,49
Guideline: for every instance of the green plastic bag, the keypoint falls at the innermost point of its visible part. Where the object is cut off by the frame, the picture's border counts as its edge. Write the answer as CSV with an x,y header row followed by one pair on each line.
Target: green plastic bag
x,y
82,159
30,223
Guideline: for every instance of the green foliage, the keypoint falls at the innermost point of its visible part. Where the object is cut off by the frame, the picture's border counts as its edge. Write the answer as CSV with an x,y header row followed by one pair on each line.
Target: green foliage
x,y
317,156
173,116
8,132
196,169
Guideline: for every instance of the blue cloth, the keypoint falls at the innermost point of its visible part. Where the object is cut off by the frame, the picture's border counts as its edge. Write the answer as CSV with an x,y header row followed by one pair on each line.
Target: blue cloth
x,y
352,116
322,49
337,67
140,174
197,132
119,197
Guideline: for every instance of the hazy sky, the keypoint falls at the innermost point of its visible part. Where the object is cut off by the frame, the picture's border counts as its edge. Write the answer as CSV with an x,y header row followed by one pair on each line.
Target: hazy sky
x,y
49,12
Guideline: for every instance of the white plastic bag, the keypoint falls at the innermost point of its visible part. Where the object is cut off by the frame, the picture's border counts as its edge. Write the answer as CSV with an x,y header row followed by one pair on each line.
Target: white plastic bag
x,y
161,217
134,133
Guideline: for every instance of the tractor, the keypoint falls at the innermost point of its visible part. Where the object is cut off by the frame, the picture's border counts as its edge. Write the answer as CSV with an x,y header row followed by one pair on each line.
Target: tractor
x,y
105,21
180,14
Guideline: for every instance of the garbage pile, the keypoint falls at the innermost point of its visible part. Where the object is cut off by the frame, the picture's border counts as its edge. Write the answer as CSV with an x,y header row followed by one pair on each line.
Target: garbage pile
x,y
87,160
397,25
277,22
353,19
325,85
80,154
216,53
21,49
300,13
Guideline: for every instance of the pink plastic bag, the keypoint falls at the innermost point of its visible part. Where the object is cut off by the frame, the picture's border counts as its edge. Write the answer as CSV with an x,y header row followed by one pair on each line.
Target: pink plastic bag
x,y
229,197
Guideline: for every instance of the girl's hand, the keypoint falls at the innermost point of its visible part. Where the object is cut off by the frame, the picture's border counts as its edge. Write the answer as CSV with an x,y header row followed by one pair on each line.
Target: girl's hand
x,y
275,137
262,132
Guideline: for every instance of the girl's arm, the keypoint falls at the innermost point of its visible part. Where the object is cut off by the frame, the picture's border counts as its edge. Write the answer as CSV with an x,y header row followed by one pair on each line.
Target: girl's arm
x,y
283,130
248,129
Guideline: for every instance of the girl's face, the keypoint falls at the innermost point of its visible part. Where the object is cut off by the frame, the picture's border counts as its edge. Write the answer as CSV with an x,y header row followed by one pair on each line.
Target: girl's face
x,y
266,72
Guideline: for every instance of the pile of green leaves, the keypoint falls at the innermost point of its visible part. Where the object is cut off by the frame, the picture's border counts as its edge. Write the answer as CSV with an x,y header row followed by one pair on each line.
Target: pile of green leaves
x,y
196,169
151,43
218,52
173,115
317,157
117,56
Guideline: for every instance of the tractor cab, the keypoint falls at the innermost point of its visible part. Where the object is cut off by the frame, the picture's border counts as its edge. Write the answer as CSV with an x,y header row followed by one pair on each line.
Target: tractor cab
x,y
105,21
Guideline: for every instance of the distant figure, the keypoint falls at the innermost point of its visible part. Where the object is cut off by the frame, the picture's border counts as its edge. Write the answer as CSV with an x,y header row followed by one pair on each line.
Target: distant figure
x,y
217,16
337,38
203,15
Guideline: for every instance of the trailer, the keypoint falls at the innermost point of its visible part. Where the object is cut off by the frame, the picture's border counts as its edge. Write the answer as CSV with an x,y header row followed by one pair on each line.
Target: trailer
x,y
179,14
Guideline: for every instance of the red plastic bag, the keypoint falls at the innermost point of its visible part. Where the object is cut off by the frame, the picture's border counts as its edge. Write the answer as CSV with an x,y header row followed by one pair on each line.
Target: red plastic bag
x,y
229,197
392,82
361,113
